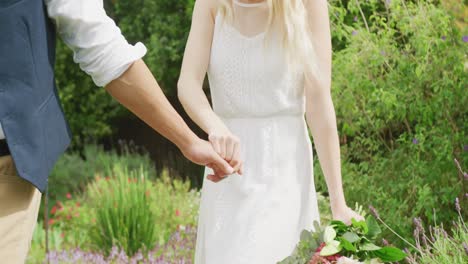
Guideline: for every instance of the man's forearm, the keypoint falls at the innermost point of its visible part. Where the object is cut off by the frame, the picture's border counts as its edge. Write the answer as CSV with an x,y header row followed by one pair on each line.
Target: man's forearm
x,y
138,91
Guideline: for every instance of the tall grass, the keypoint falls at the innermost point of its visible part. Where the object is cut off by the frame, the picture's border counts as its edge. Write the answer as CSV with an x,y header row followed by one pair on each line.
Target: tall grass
x,y
123,211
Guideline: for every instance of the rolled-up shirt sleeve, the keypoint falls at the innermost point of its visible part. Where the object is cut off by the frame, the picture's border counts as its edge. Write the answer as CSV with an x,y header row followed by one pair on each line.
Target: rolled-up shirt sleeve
x,y
98,44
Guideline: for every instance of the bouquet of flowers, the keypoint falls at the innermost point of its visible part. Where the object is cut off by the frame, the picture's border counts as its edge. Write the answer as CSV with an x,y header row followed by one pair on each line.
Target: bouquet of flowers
x,y
339,243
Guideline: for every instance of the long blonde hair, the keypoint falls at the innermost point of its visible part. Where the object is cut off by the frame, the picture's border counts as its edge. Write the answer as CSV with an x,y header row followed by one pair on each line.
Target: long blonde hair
x,y
291,16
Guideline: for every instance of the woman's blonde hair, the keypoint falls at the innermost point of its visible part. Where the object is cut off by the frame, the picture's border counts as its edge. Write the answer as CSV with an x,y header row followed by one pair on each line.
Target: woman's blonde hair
x,y
291,17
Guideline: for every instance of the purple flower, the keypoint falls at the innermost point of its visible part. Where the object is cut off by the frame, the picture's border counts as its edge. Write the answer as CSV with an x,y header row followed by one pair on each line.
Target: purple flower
x,y
374,212
138,256
457,205
418,223
114,253
415,141
424,240
465,246
465,39
443,38
382,52
388,2
416,234
431,232
354,33
355,19
465,148
385,242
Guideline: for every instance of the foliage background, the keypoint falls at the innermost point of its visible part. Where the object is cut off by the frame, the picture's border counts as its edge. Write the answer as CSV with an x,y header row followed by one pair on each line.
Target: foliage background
x,y
399,87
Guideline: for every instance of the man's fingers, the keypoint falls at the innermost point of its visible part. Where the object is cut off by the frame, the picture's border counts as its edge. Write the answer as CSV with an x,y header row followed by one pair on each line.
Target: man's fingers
x,y
213,178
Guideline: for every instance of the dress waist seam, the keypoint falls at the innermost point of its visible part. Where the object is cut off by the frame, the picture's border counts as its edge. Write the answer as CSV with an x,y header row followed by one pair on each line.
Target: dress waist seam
x,y
263,117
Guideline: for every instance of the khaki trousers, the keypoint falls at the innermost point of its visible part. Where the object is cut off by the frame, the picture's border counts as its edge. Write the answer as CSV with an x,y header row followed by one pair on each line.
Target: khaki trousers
x,y
19,207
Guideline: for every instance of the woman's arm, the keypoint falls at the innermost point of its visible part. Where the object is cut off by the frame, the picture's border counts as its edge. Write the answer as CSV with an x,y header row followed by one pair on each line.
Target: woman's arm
x,y
320,111
190,85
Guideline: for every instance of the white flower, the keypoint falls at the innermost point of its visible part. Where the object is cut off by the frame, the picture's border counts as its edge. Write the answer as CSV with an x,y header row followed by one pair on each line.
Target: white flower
x,y
345,260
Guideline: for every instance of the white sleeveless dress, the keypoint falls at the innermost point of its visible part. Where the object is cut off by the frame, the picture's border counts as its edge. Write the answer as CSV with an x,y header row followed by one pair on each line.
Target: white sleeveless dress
x,y
257,217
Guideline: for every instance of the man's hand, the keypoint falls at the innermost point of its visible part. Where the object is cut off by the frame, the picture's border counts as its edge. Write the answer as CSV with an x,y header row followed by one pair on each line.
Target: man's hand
x,y
202,153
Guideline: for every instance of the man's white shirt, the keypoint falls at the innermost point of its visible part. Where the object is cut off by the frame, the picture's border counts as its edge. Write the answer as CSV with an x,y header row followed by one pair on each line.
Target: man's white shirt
x,y
97,43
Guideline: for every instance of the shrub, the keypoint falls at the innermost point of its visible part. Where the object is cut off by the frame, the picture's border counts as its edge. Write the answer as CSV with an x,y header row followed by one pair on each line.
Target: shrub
x,y
434,245
88,108
123,211
174,205
399,86
162,26
74,171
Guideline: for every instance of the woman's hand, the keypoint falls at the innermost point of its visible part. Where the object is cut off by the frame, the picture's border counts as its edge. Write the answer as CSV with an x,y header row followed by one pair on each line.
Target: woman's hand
x,y
201,152
345,214
228,147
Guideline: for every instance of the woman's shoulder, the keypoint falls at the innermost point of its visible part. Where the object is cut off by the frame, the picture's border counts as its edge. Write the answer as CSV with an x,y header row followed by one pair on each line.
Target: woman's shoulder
x,y
211,5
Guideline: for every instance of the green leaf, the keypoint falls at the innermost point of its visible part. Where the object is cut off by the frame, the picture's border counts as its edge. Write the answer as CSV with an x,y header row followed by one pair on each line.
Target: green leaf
x,y
360,225
317,226
351,237
339,226
338,223
306,235
374,229
329,234
390,254
347,245
369,247
331,248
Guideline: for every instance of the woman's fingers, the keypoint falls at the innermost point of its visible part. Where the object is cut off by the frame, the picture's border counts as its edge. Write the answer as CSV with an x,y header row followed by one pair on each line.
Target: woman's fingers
x,y
230,148
236,162
219,144
222,146
217,174
215,143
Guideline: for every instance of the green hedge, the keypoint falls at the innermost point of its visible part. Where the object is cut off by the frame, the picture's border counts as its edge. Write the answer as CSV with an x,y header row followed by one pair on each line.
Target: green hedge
x,y
399,88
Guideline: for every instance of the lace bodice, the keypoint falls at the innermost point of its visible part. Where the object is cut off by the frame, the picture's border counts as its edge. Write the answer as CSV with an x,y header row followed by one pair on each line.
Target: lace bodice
x,y
249,76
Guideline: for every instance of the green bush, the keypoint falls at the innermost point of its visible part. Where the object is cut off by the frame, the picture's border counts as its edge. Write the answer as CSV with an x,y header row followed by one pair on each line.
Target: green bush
x,y
162,26
83,222
441,248
123,211
399,87
175,206
88,108
133,213
74,171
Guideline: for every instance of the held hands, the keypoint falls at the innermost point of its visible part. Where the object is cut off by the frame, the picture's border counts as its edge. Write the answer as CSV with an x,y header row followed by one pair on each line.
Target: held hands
x,y
201,152
228,148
